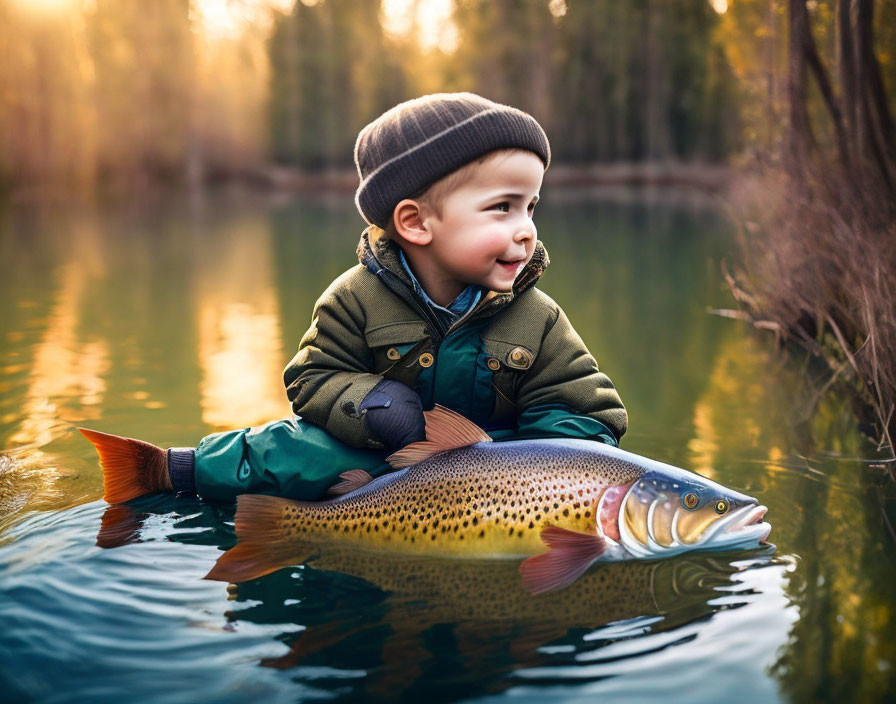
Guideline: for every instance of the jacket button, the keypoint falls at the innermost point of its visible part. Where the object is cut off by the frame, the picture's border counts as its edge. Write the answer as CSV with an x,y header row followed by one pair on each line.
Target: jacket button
x,y
520,357
493,364
393,353
426,359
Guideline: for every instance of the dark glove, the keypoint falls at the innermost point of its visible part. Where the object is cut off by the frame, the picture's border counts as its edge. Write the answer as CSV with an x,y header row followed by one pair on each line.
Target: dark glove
x,y
393,414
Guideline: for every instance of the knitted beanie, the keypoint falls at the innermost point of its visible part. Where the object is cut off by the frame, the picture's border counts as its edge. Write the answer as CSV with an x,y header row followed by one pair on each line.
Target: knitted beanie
x,y
417,142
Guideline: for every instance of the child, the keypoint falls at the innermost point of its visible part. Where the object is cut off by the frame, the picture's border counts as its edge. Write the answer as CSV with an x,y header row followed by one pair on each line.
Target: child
x,y
442,308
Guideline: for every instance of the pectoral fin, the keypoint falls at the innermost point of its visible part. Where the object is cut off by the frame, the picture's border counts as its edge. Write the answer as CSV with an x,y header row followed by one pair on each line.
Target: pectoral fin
x,y
569,554
351,480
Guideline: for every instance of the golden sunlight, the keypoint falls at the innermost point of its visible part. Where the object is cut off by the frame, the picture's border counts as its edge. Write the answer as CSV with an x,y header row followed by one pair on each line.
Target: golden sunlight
x,y
67,378
720,6
45,7
241,369
429,21
240,341
229,18
704,446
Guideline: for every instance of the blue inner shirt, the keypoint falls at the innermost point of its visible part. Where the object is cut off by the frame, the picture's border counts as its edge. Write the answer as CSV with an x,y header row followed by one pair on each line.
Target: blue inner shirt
x,y
466,300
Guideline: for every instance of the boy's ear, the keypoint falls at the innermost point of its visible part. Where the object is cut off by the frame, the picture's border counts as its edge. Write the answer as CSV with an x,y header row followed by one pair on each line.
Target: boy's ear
x,y
410,222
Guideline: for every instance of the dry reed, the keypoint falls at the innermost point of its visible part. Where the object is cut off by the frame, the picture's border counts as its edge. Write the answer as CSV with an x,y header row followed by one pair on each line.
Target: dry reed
x,y
818,267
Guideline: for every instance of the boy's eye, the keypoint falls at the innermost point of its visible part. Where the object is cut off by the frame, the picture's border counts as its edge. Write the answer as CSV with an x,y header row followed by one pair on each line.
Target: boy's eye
x,y
503,207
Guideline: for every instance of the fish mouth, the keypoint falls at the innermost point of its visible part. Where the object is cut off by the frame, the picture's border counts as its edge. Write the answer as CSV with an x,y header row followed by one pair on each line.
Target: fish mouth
x,y
743,527
746,522
747,516
653,536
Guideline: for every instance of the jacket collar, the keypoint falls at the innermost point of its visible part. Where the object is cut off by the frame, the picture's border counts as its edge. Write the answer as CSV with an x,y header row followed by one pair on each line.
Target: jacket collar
x,y
376,252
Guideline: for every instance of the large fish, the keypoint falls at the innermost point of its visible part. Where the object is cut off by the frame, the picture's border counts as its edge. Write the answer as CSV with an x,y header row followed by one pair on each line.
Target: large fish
x,y
459,493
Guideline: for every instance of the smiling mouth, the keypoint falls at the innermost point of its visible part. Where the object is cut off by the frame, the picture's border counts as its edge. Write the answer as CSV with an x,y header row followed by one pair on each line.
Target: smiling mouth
x,y
505,262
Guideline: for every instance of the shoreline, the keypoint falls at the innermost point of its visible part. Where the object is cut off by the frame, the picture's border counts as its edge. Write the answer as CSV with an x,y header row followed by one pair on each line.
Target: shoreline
x,y
702,177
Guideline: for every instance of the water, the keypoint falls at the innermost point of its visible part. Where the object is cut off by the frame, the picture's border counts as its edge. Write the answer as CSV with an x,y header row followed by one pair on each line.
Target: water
x,y
174,319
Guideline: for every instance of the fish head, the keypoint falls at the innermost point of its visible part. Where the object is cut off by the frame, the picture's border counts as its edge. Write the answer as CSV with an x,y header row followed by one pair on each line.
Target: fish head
x,y
668,510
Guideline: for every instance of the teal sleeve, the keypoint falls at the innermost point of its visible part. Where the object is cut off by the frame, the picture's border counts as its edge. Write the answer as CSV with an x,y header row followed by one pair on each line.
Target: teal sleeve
x,y
290,458
297,460
559,421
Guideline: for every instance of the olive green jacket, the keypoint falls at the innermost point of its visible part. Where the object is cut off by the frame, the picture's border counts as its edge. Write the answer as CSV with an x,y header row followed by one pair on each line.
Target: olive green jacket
x,y
513,362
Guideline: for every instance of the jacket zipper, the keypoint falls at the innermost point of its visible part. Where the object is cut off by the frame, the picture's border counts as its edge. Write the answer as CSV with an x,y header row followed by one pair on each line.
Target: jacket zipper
x,y
400,290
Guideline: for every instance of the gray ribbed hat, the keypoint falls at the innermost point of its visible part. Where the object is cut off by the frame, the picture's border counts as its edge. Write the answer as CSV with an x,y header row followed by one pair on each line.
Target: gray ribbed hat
x,y
419,141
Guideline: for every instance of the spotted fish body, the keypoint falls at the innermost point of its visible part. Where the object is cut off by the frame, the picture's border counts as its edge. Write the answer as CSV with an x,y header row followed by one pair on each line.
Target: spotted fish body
x,y
488,499
459,494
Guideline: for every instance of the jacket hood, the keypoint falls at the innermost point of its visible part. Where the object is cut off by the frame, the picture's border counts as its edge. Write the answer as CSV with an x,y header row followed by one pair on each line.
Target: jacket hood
x,y
376,251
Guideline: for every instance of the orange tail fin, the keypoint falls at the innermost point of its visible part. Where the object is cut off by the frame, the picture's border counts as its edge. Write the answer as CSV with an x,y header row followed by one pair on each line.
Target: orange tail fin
x,y
131,467
264,546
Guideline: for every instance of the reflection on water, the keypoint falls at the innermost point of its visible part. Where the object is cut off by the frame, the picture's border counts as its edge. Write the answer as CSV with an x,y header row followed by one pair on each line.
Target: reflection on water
x,y
744,407
65,368
176,321
842,647
240,350
468,608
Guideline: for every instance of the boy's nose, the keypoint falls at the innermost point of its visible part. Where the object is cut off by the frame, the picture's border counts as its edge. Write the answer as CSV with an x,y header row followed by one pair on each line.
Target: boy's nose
x,y
526,231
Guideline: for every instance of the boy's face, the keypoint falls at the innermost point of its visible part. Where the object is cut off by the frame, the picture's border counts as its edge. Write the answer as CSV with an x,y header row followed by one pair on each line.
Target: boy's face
x,y
486,234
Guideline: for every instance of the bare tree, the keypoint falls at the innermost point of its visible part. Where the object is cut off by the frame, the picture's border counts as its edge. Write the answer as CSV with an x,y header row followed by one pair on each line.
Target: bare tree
x,y
860,116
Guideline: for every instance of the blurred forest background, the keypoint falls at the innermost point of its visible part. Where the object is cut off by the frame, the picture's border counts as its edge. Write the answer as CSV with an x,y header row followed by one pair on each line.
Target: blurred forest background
x,y
93,91
792,99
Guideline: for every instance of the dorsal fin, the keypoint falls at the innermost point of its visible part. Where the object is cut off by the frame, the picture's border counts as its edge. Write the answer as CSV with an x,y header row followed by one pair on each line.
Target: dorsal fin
x,y
445,430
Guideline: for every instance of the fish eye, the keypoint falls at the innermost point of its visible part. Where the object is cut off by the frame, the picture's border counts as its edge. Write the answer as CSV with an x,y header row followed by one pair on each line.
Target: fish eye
x,y
721,506
690,500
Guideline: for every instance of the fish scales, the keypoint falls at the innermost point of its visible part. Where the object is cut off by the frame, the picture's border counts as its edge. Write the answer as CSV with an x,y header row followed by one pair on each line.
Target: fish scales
x,y
483,499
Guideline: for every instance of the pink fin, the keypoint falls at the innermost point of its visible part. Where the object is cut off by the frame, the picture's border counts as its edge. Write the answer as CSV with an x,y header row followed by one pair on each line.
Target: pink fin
x,y
351,480
263,546
445,430
569,554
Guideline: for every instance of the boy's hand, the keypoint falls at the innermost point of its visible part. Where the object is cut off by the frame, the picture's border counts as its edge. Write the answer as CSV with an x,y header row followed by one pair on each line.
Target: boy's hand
x,y
393,414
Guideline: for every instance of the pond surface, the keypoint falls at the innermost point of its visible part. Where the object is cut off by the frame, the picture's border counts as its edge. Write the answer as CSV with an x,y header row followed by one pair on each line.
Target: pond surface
x,y
174,319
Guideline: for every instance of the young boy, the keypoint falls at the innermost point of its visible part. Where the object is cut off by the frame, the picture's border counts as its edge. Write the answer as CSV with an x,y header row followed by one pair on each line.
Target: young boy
x,y
442,309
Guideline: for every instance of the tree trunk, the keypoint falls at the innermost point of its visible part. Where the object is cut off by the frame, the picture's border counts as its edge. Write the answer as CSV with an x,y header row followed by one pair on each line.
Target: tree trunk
x,y
799,134
877,121
846,62
806,45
